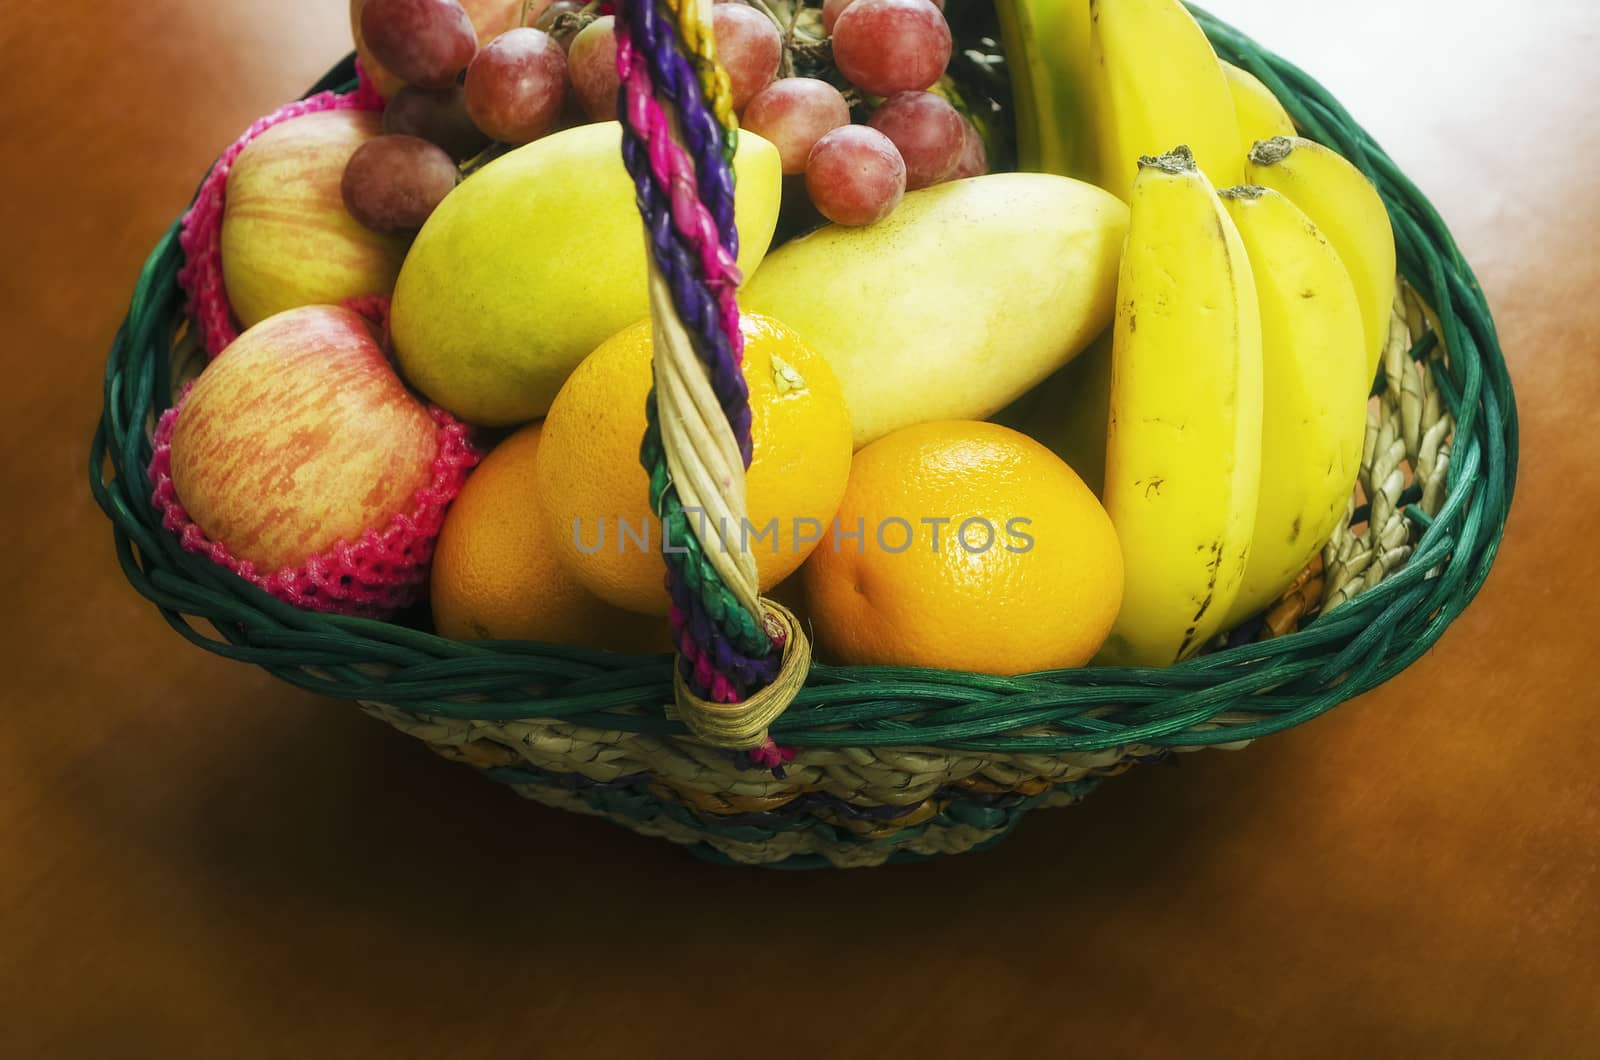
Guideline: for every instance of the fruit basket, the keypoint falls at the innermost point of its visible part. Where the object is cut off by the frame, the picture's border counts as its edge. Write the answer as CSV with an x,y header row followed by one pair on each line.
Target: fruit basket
x,y
831,765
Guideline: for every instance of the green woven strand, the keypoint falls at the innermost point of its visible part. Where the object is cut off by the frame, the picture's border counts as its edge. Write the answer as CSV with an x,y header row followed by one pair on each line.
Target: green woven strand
x,y
688,559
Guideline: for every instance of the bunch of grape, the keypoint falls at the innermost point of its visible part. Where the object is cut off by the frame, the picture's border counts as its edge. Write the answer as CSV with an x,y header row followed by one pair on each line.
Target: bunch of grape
x,y
888,50
562,70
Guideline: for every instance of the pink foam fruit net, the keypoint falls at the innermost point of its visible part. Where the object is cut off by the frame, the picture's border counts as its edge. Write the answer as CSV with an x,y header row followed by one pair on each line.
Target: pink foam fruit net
x,y
373,577
387,568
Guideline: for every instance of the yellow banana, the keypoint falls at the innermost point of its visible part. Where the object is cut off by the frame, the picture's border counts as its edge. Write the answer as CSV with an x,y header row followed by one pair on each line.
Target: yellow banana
x,y
1314,386
1155,82
1183,449
1261,116
1342,202
1047,52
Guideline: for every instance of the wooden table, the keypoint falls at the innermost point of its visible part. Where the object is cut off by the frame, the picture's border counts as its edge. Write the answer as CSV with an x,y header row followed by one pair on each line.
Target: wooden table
x,y
201,862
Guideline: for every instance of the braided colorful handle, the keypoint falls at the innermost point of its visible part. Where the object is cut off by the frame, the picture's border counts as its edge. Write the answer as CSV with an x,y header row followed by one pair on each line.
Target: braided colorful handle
x,y
741,659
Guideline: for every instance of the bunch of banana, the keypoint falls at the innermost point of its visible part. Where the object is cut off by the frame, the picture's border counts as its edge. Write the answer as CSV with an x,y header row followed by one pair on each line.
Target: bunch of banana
x,y
1237,410
1183,449
1249,324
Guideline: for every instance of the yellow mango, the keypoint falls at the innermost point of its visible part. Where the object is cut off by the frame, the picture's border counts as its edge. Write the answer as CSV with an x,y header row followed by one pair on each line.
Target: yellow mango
x,y
535,260
967,296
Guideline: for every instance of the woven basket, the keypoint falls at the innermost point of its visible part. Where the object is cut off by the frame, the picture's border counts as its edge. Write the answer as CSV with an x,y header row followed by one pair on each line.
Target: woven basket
x,y
896,764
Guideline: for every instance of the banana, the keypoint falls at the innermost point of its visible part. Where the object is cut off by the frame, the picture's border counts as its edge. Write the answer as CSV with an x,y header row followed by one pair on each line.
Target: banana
x,y
1342,202
1047,52
1261,116
1314,386
1155,82
1183,448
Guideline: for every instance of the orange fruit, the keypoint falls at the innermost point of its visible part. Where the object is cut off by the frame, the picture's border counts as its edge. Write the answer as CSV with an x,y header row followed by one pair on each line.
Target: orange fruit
x,y
496,576
979,550
593,486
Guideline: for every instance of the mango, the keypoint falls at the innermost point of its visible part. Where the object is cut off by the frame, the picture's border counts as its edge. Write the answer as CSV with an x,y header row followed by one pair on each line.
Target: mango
x,y
532,262
967,296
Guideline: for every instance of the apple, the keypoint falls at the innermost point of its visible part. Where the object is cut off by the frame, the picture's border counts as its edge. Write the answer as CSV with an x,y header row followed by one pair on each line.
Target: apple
x,y
299,436
489,17
287,239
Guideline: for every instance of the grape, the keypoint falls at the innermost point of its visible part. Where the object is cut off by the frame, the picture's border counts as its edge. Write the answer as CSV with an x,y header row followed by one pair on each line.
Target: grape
x,y
749,47
436,115
832,9
592,65
794,113
392,183
889,46
927,131
974,160
855,175
423,42
568,29
516,84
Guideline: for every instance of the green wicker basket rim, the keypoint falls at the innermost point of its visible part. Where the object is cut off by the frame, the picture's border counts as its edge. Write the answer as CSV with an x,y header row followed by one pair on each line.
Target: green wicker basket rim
x,y
1225,697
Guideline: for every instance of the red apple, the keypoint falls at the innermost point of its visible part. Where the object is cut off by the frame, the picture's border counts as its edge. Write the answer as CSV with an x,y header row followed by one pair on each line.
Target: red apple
x,y
489,17
287,239
300,436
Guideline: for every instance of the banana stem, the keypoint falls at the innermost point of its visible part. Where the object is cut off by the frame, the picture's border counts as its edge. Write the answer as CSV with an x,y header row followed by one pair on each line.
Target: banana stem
x,y
1178,161
1247,192
1271,152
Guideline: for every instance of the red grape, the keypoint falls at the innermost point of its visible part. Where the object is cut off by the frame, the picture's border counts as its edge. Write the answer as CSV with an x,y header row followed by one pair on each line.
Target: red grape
x,y
974,156
516,84
436,115
927,131
794,113
592,65
570,29
749,47
392,183
889,46
422,42
832,9
855,175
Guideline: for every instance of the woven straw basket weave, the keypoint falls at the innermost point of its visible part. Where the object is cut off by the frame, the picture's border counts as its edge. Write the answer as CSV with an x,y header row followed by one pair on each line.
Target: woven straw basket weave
x,y
895,764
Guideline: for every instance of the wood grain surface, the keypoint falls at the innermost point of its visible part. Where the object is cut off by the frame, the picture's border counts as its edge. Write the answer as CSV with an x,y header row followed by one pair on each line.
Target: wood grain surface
x,y
198,861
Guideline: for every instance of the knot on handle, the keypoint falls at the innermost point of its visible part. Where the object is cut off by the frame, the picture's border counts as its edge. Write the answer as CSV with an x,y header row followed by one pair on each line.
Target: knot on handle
x,y
743,725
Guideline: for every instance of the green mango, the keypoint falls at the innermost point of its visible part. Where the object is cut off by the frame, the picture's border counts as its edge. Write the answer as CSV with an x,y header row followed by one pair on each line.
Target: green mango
x,y
535,260
967,296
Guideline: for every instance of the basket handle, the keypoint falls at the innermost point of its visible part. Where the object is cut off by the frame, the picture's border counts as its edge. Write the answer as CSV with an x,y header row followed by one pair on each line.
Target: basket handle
x,y
741,658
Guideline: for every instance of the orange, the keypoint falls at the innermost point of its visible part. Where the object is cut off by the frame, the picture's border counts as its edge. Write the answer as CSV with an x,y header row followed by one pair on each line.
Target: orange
x,y
592,483
979,550
496,576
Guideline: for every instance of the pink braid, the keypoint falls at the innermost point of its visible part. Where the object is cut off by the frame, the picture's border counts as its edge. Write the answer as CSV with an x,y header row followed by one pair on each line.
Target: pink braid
x,y
674,169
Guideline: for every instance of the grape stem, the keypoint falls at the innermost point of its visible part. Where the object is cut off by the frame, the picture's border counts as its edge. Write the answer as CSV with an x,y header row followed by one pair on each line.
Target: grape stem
x,y
788,40
482,158
786,69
